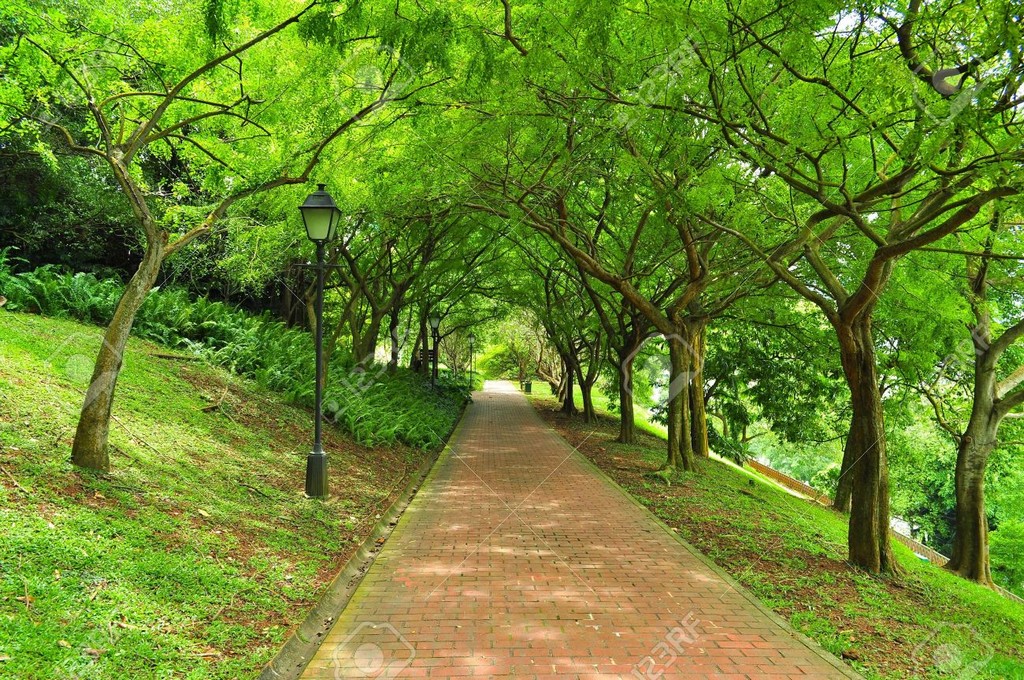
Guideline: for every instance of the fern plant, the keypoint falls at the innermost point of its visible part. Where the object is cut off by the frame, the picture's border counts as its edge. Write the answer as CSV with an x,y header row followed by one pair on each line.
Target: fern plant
x,y
376,407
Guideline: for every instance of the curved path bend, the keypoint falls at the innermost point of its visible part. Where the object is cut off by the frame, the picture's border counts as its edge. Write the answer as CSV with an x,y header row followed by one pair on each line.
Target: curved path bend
x,y
517,558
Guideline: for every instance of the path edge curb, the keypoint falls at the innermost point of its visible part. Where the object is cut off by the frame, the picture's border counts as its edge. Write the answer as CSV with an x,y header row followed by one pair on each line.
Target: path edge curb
x,y
708,562
300,648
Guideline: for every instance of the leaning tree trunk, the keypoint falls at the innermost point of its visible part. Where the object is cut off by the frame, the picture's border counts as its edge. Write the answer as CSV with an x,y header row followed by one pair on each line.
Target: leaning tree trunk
x,y
627,420
680,441
90,445
869,544
970,539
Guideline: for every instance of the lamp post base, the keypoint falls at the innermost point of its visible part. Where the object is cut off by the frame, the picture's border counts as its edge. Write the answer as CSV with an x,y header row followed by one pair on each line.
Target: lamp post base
x,y
316,475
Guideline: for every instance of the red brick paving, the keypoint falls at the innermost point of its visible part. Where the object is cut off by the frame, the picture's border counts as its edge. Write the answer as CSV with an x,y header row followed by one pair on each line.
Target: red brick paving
x,y
516,559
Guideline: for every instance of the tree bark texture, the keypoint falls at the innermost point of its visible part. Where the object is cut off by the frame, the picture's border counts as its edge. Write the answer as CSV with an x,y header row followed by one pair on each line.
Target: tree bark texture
x,y
90,445
869,544
627,420
680,440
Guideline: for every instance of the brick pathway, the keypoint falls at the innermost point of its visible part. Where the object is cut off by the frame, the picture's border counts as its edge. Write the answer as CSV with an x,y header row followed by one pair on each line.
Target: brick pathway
x,y
516,559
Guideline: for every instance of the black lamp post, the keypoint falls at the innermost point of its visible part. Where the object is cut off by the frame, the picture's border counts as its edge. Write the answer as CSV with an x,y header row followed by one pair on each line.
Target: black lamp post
x,y
472,342
435,324
321,216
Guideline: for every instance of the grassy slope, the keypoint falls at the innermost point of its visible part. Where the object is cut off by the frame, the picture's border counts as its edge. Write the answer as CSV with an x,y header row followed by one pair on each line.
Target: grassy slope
x,y
194,557
791,554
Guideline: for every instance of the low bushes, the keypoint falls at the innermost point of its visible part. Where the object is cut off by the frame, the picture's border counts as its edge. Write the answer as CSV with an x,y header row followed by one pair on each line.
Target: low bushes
x,y
375,406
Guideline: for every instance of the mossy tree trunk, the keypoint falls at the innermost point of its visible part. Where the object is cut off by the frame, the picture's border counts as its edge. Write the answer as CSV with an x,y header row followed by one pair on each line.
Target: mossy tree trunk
x,y
680,440
627,420
90,445
869,544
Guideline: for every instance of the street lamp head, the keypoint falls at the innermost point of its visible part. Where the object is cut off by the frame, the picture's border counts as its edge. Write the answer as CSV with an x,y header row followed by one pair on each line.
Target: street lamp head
x,y
434,321
320,215
472,340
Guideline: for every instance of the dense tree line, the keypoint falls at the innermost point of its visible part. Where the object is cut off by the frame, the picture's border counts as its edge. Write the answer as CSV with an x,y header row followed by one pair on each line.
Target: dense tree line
x,y
810,213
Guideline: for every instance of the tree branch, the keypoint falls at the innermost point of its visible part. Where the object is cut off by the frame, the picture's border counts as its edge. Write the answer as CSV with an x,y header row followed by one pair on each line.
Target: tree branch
x,y
138,138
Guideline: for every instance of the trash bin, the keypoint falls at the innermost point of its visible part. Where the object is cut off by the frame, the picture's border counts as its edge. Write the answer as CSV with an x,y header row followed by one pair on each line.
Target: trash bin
x,y
528,387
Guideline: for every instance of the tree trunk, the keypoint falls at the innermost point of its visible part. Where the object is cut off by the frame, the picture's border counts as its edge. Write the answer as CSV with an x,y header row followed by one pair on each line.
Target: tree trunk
x,y
970,539
569,401
869,543
680,440
844,490
698,410
627,419
589,415
419,362
90,445
288,308
364,341
393,324
309,304
587,390
414,360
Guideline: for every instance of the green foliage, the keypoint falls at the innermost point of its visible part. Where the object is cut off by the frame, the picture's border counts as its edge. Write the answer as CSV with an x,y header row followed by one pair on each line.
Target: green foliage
x,y
924,491
1006,546
375,406
730,449
791,553
63,212
194,557
500,363
802,460
218,15
827,480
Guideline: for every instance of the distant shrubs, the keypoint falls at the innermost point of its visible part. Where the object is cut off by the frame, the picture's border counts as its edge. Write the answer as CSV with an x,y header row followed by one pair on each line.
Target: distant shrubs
x,y
375,406
1006,545
827,480
49,292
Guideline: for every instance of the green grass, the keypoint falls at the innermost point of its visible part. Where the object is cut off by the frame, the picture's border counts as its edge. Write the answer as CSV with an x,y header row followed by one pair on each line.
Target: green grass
x,y
198,552
791,553
372,404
